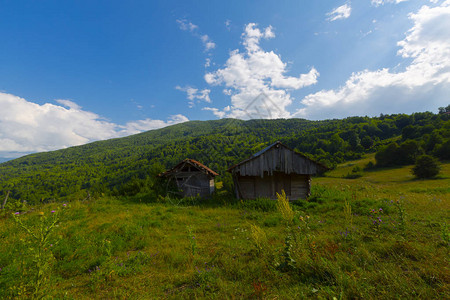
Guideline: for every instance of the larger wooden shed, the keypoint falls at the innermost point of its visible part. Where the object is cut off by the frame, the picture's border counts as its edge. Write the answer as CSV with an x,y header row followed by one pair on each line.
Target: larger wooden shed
x,y
192,178
272,170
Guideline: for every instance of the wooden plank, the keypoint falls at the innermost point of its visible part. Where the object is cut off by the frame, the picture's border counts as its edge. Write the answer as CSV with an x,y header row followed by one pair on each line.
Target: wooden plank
x,y
247,187
300,187
277,160
263,187
282,182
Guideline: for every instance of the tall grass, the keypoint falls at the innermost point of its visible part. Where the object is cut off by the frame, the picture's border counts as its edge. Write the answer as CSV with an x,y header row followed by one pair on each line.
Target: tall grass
x,y
323,247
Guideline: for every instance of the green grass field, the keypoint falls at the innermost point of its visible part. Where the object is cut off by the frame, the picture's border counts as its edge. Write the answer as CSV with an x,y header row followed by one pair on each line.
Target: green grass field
x,y
384,235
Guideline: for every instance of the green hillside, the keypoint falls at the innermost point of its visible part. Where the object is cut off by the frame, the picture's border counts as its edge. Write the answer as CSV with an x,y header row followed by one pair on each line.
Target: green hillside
x,y
384,235
127,166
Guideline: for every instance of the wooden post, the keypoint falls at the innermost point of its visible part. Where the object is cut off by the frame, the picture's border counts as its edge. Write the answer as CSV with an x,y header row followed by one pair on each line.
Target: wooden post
x,y
6,199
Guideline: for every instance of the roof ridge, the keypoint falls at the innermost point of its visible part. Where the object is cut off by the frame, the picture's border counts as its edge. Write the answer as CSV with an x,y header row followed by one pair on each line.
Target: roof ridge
x,y
195,163
270,147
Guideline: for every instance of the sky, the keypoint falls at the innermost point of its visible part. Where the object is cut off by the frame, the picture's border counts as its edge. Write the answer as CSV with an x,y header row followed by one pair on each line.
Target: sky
x,y
73,72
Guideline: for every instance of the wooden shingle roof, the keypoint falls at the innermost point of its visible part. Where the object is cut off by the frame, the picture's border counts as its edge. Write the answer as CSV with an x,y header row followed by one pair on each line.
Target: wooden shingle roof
x,y
191,162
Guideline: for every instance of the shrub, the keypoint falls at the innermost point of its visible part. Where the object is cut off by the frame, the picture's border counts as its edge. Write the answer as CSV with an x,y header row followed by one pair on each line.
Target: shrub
x,y
369,166
426,167
386,156
407,152
356,173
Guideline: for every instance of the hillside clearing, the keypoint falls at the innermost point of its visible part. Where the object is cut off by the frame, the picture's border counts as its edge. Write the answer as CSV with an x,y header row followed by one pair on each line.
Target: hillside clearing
x,y
389,241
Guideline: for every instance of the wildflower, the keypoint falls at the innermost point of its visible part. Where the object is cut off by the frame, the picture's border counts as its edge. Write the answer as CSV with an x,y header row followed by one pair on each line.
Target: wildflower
x,y
64,205
53,211
41,213
381,210
17,213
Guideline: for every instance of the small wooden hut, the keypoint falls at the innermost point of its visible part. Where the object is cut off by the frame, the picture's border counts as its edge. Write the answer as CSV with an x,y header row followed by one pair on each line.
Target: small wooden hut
x,y
192,178
272,170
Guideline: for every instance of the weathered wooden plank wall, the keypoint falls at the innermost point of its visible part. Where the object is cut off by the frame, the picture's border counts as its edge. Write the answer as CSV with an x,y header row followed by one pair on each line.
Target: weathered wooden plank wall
x,y
277,159
295,186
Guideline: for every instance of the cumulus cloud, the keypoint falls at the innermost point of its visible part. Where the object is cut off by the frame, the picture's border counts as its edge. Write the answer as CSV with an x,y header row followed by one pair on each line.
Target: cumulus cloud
x,y
29,127
341,12
256,79
192,28
69,104
423,85
382,2
195,94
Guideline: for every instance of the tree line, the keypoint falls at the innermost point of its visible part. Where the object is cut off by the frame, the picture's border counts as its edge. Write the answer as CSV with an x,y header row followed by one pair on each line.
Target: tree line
x,y
130,165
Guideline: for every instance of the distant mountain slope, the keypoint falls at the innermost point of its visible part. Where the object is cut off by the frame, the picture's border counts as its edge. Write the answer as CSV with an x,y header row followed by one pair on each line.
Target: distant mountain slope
x,y
128,165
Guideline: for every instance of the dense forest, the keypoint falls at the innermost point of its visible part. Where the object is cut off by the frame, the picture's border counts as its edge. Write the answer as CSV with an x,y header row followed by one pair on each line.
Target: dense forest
x,y
129,165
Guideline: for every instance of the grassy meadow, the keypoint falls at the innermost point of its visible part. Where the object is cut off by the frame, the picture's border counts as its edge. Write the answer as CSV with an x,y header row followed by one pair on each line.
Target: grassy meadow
x,y
381,236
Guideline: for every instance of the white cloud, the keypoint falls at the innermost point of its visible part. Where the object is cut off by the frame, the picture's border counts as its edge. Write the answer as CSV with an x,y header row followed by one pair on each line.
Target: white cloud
x,y
69,104
29,127
382,2
186,25
228,25
192,28
423,85
150,124
215,111
193,94
341,12
256,79
207,42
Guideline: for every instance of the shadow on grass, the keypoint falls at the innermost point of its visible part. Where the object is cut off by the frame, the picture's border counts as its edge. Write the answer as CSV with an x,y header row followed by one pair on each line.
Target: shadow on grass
x,y
217,200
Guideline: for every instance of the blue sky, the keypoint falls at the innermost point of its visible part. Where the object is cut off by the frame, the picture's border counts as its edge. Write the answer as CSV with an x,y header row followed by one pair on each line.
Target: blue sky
x,y
72,72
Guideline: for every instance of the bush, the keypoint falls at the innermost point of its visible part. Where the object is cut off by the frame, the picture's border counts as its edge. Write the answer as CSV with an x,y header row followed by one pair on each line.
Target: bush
x,y
369,166
386,156
356,173
407,152
426,167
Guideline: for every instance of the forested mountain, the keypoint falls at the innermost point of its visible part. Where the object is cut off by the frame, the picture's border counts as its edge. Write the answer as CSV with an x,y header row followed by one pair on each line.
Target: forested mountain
x,y
129,165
